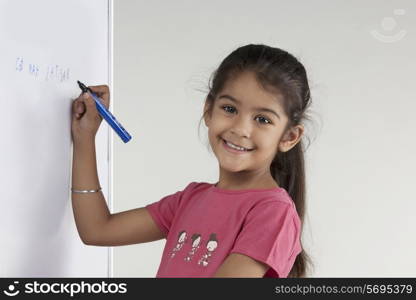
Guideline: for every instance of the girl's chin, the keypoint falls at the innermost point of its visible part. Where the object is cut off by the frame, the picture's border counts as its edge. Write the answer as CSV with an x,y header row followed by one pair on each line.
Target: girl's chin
x,y
232,167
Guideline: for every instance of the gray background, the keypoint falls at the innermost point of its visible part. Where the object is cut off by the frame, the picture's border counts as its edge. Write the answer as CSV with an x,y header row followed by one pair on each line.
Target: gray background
x,y
360,163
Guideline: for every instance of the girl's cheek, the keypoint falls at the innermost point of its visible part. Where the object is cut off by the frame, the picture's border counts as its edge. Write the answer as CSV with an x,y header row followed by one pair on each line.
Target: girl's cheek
x,y
216,122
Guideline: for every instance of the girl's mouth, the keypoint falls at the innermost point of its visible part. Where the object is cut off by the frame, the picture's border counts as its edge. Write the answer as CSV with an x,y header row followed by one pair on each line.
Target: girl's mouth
x,y
234,149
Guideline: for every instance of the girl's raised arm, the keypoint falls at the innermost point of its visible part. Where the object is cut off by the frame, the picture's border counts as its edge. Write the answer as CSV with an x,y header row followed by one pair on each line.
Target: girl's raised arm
x,y
95,224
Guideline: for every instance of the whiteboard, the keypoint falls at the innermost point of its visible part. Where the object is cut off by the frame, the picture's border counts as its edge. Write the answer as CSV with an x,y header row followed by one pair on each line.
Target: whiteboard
x,y
46,46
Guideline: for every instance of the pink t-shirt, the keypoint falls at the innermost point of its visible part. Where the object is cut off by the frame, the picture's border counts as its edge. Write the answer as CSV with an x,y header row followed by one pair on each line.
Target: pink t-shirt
x,y
204,224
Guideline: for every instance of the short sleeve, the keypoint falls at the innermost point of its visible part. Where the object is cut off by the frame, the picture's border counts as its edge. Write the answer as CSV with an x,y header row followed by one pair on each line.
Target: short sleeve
x,y
271,234
163,211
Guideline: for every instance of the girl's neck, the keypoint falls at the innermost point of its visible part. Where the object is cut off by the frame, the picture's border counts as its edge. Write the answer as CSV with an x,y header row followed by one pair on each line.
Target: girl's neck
x,y
241,180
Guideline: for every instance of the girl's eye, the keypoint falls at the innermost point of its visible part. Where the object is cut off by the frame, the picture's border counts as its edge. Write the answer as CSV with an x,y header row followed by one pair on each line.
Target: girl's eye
x,y
267,120
231,109
227,106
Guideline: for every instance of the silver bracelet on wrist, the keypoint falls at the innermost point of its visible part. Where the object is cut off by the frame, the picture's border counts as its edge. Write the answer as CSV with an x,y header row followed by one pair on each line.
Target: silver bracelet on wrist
x,y
85,191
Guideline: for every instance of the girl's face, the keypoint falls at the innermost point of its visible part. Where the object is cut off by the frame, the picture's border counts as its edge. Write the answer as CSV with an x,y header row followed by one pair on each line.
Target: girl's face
x,y
247,116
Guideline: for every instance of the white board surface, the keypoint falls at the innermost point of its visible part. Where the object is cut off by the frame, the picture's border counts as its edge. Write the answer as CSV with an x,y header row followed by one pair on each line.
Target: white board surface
x,y
46,46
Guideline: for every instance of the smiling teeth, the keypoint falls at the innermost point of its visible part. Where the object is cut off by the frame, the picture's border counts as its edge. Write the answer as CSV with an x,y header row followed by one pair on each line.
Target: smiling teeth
x,y
235,147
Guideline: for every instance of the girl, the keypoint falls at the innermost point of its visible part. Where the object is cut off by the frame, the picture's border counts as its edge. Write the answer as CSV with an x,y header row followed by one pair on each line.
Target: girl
x,y
249,223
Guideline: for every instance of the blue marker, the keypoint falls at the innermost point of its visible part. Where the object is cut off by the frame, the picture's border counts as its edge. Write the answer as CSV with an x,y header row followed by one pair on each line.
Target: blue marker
x,y
106,114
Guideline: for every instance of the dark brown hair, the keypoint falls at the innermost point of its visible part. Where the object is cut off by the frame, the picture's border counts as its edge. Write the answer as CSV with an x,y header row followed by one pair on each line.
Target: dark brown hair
x,y
278,72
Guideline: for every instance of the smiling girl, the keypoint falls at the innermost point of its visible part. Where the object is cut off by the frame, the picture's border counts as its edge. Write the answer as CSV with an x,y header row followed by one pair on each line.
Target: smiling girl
x,y
247,224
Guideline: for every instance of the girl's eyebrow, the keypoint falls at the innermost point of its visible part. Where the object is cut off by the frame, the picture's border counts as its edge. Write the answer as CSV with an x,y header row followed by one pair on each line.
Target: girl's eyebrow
x,y
256,108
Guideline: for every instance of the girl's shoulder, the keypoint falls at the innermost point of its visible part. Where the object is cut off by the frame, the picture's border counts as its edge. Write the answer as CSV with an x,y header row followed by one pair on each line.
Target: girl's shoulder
x,y
270,197
196,185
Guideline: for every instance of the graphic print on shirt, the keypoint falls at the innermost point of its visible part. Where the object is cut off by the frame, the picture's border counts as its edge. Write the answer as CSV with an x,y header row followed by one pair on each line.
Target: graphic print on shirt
x,y
181,240
211,246
196,240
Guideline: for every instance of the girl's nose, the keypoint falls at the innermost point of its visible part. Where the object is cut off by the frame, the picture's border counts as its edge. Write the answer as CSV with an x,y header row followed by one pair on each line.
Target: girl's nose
x,y
242,126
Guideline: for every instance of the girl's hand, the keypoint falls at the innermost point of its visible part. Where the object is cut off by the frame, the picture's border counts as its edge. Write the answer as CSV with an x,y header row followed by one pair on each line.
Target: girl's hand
x,y
85,117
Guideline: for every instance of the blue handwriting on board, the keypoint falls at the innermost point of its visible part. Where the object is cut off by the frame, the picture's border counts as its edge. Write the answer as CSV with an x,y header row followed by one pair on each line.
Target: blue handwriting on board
x,y
48,73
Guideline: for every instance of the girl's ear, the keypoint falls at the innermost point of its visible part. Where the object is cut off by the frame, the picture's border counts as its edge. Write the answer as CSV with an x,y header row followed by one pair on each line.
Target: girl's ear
x,y
291,138
207,118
